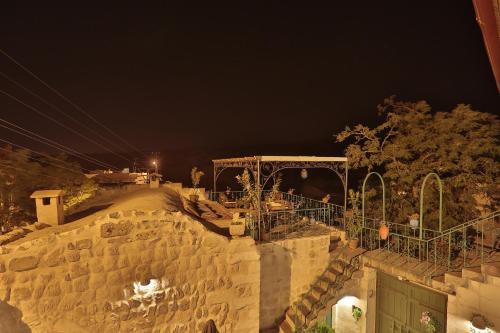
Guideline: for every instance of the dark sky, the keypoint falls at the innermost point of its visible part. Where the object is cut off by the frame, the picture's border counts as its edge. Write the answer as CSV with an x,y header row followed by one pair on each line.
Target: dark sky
x,y
185,77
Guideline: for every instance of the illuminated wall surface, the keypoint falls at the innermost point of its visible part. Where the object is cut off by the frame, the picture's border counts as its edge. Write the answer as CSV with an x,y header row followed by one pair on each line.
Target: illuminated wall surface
x,y
342,319
130,270
162,271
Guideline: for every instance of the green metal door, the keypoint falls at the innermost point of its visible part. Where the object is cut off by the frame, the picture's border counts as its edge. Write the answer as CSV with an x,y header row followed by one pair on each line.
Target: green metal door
x,y
400,305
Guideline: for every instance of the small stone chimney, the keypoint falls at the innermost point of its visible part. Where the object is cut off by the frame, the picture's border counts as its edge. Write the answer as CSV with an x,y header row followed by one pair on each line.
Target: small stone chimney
x,y
49,206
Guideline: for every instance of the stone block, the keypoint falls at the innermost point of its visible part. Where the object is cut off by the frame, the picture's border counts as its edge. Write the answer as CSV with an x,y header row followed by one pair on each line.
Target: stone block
x,y
115,229
23,263
123,262
81,284
72,255
21,293
114,278
53,289
84,244
78,270
48,305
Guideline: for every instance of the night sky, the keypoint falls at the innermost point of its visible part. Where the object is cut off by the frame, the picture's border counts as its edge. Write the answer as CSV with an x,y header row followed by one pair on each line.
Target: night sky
x,y
241,78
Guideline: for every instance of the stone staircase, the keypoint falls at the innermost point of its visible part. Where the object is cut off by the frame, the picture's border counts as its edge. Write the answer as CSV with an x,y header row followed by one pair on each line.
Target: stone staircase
x,y
454,282
343,264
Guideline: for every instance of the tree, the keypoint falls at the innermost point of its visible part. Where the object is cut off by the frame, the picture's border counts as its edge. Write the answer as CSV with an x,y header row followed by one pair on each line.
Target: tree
x,y
461,146
20,176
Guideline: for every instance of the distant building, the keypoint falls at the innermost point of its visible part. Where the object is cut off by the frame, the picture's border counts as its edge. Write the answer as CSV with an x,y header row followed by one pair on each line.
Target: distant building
x,y
118,178
49,206
154,180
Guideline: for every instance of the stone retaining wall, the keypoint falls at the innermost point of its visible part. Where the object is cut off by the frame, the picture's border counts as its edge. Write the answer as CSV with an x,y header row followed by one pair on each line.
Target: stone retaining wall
x,y
133,271
288,268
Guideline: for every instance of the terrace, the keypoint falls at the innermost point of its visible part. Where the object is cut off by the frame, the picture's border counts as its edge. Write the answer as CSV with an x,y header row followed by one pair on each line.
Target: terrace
x,y
279,215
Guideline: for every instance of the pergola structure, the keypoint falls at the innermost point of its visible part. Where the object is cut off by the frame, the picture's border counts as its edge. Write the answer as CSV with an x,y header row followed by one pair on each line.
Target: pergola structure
x,y
263,168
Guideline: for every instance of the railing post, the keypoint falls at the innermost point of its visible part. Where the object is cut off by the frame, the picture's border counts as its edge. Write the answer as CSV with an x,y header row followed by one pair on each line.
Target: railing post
x,y
464,244
449,250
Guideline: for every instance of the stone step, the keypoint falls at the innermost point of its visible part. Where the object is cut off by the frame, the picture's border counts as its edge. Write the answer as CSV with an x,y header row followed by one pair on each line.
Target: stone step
x,y
332,273
491,269
286,328
302,312
291,319
439,283
309,301
339,265
317,291
473,273
324,282
454,280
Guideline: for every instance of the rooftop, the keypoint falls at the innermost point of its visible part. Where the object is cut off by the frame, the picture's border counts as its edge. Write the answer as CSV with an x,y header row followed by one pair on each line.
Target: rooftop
x,y
47,194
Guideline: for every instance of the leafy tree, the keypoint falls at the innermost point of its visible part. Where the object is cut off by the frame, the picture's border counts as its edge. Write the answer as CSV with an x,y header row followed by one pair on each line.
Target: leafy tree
x,y
461,146
20,176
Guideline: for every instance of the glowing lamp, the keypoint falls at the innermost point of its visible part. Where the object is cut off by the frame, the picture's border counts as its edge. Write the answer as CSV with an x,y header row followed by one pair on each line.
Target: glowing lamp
x,y
303,173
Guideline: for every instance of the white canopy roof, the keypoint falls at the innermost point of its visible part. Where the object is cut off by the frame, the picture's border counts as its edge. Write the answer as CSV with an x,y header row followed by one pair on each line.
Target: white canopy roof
x,y
284,159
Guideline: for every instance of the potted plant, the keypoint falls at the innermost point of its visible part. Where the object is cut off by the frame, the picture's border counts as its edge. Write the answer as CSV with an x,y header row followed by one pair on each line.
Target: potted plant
x,y
237,226
251,191
356,312
428,321
383,231
195,179
414,220
354,223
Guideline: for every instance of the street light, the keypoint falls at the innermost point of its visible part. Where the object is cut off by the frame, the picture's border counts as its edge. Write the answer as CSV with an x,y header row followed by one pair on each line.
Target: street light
x,y
156,166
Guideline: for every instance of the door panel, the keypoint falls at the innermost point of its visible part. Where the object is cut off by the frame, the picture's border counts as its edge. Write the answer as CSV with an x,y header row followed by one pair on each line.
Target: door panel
x,y
400,305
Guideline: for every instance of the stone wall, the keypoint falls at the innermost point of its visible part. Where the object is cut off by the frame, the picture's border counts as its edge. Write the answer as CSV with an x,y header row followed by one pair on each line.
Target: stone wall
x,y
288,268
477,295
131,271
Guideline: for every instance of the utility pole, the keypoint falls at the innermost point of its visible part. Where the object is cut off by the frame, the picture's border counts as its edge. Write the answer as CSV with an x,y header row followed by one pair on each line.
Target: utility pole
x,y
156,161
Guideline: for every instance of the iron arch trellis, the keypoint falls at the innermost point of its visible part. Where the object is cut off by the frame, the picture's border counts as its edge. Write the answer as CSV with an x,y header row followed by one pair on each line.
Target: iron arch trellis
x,y
440,185
363,196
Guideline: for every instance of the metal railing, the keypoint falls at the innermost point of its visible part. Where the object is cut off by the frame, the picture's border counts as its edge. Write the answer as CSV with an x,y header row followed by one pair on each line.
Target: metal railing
x,y
300,214
466,245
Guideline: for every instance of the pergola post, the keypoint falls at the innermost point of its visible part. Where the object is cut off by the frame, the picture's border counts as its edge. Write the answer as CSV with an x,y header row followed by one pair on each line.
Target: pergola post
x,y
257,183
345,190
215,179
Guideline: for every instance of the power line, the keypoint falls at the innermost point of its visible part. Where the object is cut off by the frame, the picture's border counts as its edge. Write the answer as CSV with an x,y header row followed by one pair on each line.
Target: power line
x,y
39,153
62,125
54,107
52,164
27,170
53,144
35,137
69,101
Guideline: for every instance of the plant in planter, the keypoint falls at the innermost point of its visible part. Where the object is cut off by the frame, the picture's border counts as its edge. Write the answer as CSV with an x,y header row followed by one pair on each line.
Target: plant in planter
x,y
250,197
428,321
237,226
356,312
275,190
479,323
195,179
354,222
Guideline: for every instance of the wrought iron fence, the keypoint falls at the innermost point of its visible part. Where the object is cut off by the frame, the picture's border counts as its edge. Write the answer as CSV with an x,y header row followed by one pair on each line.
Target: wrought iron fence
x,y
466,245
299,214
